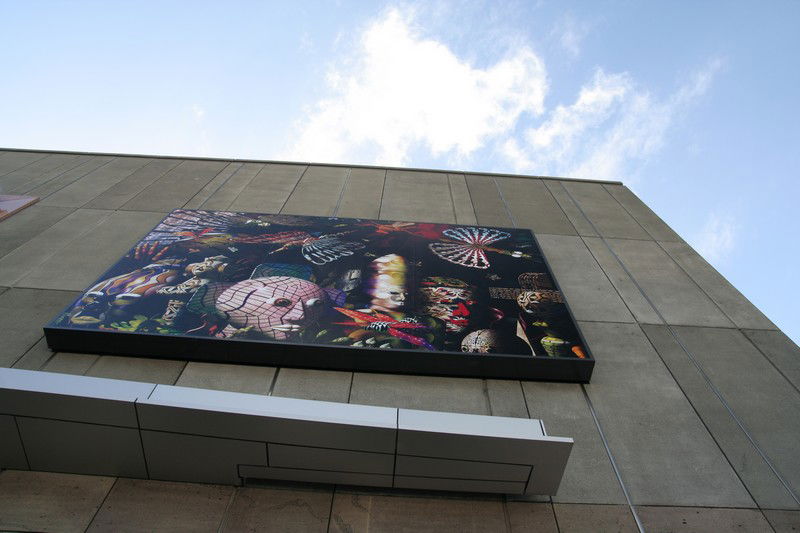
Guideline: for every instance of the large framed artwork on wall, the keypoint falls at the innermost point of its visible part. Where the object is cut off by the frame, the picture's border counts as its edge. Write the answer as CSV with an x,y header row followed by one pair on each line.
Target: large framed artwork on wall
x,y
332,293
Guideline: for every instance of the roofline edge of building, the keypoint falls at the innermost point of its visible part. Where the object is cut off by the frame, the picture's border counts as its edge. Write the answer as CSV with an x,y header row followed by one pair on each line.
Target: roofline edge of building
x,y
271,161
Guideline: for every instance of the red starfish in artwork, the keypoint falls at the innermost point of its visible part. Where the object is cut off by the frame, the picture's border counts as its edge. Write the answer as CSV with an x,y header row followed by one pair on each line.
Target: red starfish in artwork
x,y
381,322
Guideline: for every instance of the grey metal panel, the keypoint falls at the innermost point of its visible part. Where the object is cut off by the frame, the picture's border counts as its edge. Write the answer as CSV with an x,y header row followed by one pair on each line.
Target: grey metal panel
x,y
58,446
304,457
67,397
587,290
499,427
315,476
455,469
532,206
317,192
417,196
604,211
269,419
733,303
175,457
679,300
12,455
458,485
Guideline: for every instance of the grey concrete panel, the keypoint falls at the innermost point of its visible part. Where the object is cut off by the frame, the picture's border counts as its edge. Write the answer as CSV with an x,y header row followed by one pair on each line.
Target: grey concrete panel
x,y
570,208
587,290
221,198
27,224
35,180
43,247
701,519
65,178
760,481
70,363
733,303
417,197
73,398
462,202
623,283
279,510
780,350
588,476
90,185
326,385
12,454
537,517
649,425
603,211
122,192
269,419
377,513
458,485
174,457
212,186
454,469
29,176
176,187
783,521
12,161
45,501
268,191
532,206
679,300
36,357
141,505
164,371
590,518
315,476
78,264
770,405
23,312
317,192
235,378
488,205
458,395
303,457
362,193
58,446
506,398
652,223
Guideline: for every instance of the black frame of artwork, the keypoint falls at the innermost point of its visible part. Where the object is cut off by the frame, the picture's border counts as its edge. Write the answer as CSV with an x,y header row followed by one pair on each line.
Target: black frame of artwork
x,y
296,353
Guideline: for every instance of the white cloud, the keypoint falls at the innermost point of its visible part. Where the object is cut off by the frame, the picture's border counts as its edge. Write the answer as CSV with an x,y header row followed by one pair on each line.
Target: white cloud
x,y
570,34
717,239
401,91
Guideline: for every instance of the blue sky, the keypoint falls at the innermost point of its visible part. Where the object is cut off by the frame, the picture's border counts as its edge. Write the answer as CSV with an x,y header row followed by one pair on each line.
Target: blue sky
x,y
692,104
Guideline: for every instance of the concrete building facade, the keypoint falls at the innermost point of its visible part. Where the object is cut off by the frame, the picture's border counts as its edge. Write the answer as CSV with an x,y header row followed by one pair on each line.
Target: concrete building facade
x,y
690,422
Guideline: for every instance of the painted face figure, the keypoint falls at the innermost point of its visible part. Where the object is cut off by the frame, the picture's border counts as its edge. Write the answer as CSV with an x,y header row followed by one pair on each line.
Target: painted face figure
x,y
482,341
529,301
350,280
209,268
113,296
388,288
447,299
278,307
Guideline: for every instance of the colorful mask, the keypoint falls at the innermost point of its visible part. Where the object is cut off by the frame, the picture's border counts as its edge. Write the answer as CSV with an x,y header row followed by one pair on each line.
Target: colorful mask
x,y
388,288
447,299
278,307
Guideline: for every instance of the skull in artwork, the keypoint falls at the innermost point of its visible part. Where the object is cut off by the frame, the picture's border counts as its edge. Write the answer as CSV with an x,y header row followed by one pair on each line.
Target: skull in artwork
x,y
482,341
278,307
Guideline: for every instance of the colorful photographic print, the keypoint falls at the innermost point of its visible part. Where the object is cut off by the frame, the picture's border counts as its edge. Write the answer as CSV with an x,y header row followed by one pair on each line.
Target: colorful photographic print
x,y
377,287
11,204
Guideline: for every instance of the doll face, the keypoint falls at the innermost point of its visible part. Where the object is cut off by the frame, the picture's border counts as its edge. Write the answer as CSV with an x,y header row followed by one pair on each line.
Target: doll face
x,y
279,307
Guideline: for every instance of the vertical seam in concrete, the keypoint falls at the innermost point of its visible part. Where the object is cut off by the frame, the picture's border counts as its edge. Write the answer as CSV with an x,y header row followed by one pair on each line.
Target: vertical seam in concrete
x,y
622,299
702,373
139,432
452,200
296,183
486,396
623,208
20,190
209,181
73,181
330,509
100,507
274,380
555,516
502,199
524,398
222,520
350,388
771,362
341,193
506,514
383,191
21,442
264,167
25,165
611,458
137,169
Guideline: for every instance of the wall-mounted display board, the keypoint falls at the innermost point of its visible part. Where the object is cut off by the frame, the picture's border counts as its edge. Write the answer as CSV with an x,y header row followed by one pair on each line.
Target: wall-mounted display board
x,y
333,293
